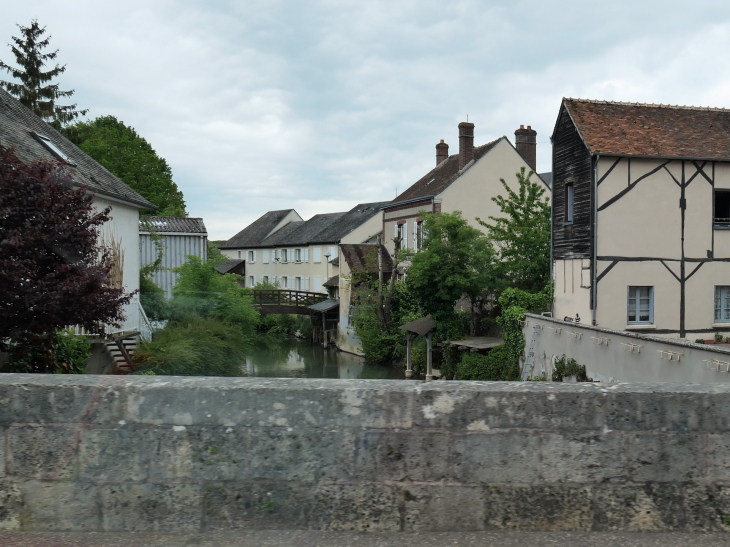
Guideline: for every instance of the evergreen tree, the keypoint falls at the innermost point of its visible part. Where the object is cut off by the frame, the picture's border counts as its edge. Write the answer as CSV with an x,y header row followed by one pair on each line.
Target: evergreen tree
x,y
132,159
35,90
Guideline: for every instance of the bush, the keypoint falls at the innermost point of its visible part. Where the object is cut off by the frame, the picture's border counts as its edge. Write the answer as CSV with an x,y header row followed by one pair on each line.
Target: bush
x,y
569,367
153,299
201,347
496,365
68,356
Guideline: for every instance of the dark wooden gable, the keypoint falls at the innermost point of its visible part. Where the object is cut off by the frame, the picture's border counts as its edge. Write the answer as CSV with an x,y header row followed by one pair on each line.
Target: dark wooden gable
x,y
571,164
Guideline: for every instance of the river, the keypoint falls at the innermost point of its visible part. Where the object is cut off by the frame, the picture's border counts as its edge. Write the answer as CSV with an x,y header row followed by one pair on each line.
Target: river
x,y
276,357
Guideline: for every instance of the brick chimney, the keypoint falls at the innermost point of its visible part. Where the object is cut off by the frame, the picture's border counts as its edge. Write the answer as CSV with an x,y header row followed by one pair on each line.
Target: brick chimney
x,y
466,143
442,152
526,144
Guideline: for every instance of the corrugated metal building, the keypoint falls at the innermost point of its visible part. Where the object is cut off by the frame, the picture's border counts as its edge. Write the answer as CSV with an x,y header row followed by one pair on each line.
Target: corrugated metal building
x,y
181,237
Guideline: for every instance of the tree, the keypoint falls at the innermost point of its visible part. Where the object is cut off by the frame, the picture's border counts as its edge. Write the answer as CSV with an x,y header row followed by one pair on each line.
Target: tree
x,y
522,236
34,89
53,273
456,260
131,159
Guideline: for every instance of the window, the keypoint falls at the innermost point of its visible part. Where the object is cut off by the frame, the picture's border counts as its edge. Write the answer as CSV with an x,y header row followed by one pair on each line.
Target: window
x,y
398,237
298,255
266,256
284,255
722,304
252,256
298,283
333,253
251,281
53,149
265,279
641,305
722,208
417,236
284,281
317,254
569,202
317,284
239,254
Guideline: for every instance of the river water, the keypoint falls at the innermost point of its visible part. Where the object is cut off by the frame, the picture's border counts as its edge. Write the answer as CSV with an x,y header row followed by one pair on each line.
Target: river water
x,y
276,357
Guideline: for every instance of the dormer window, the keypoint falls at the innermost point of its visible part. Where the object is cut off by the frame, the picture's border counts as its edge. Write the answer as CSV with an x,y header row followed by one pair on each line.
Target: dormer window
x,y
49,145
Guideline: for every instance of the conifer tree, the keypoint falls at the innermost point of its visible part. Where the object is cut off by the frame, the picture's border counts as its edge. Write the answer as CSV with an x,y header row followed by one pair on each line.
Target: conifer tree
x,y
35,89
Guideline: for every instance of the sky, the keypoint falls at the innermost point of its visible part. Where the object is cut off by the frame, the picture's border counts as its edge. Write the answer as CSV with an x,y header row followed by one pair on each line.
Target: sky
x,y
321,105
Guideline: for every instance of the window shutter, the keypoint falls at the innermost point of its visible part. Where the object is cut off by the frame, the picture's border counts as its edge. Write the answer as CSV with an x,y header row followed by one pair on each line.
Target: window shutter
x,y
405,236
266,257
415,236
306,254
318,254
254,256
651,305
317,283
333,253
306,283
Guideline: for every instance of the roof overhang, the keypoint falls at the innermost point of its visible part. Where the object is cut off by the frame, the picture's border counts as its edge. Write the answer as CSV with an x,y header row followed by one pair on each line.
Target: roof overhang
x,y
406,202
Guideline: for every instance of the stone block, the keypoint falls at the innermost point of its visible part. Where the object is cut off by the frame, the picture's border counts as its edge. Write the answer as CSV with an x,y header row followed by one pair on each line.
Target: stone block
x,y
413,455
485,409
299,455
496,457
256,505
539,507
589,458
3,451
358,507
119,455
707,507
638,508
655,457
678,410
43,452
147,507
443,508
200,453
717,456
11,506
60,506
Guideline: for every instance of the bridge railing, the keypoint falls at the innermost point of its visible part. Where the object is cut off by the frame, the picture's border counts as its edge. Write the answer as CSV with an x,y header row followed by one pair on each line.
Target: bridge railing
x,y
284,297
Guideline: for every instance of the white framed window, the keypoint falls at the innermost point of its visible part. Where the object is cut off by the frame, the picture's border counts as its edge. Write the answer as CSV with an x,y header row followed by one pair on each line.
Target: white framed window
x,y
266,256
640,305
284,281
398,237
252,256
298,255
569,198
265,279
317,283
317,254
722,304
298,283
251,281
284,255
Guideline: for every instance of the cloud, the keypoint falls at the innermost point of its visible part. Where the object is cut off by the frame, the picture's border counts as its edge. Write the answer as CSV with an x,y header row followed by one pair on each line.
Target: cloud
x,y
324,104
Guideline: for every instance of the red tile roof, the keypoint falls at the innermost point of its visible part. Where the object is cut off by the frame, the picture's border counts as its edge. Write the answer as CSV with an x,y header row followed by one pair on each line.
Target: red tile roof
x,y
656,130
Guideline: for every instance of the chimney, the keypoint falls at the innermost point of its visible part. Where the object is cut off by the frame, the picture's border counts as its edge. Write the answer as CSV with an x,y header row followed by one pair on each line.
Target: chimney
x,y
466,143
442,152
526,143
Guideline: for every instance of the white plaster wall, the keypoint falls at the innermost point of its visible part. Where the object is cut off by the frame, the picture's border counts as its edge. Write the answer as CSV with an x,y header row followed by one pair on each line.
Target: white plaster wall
x,y
124,227
572,294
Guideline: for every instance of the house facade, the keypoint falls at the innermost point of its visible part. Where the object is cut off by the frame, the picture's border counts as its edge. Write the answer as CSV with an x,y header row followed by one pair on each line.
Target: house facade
x,y
464,182
281,248
641,217
179,237
34,140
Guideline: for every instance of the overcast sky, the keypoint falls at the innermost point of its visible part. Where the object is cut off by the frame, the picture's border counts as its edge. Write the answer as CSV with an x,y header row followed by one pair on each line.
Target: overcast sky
x,y
318,106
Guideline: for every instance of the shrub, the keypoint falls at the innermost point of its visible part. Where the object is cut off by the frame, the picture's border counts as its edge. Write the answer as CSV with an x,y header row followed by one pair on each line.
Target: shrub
x,y
68,355
718,337
201,347
569,367
495,366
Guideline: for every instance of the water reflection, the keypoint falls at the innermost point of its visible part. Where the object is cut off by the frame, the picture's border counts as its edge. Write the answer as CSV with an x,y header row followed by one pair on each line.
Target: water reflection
x,y
289,358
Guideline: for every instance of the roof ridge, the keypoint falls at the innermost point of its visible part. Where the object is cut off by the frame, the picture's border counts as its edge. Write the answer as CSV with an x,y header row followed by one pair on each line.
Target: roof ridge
x,y
650,105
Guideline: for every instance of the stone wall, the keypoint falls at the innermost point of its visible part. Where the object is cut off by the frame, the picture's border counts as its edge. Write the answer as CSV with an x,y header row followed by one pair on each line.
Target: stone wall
x,y
198,454
621,356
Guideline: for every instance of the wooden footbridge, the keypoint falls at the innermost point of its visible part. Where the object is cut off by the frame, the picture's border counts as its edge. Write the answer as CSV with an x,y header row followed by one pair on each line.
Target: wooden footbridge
x,y
286,301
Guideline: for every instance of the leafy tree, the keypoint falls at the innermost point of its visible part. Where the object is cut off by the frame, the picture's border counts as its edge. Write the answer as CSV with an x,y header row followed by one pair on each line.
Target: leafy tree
x,y
52,271
456,260
34,89
131,159
522,237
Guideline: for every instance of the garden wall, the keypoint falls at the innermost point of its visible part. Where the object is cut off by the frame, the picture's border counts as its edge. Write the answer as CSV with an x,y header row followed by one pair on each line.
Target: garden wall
x,y
196,454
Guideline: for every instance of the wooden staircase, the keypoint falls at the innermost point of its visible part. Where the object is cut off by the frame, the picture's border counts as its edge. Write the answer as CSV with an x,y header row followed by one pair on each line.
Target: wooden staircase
x,y
121,352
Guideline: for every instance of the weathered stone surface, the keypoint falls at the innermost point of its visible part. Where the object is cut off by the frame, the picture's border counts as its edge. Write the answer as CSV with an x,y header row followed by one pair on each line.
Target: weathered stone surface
x,y
11,506
496,457
545,508
437,508
717,456
360,507
120,454
638,508
405,455
588,458
707,507
255,505
43,452
60,505
147,507
3,443
656,456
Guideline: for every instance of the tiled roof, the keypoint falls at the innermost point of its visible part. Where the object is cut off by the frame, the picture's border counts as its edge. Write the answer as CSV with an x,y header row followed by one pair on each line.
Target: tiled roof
x,y
332,282
346,223
254,233
229,266
547,178
16,124
655,130
172,224
441,176
310,230
360,256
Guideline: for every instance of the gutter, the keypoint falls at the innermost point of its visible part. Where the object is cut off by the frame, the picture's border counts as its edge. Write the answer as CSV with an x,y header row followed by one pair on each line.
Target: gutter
x,y
424,198
119,197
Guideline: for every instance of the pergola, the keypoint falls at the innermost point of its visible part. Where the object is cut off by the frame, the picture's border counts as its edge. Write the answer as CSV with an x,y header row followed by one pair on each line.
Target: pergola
x,y
420,327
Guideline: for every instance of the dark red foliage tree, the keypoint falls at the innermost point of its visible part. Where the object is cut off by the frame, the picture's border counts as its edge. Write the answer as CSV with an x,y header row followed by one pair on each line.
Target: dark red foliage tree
x,y
52,271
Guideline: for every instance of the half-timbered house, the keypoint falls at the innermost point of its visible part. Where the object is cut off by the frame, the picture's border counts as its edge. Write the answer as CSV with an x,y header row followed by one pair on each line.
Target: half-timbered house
x,y
641,217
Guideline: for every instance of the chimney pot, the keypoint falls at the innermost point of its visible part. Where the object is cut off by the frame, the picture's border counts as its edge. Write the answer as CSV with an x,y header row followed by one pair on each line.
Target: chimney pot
x,y
442,152
526,144
466,143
